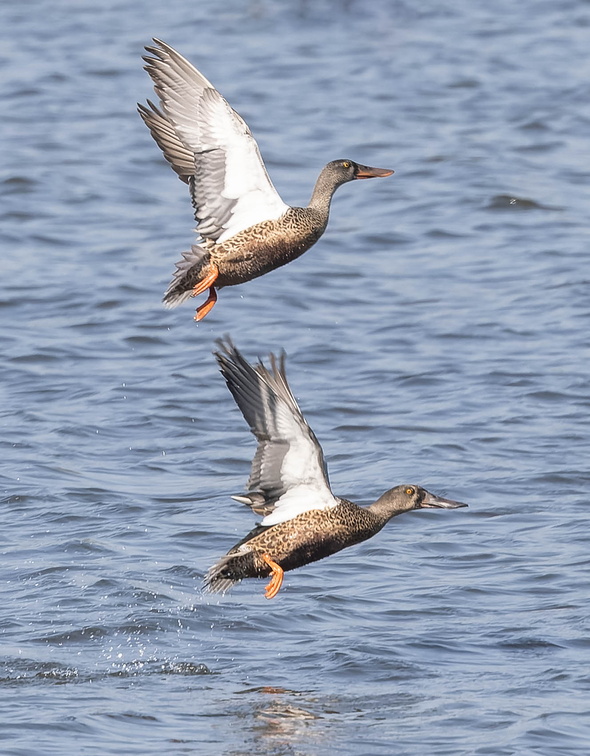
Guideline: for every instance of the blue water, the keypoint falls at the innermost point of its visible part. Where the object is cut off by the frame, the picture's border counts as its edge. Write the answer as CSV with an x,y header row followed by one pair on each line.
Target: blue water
x,y
437,334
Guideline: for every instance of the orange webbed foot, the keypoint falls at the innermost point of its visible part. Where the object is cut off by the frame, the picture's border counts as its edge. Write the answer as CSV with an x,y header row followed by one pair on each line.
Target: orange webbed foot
x,y
200,287
206,282
207,306
276,580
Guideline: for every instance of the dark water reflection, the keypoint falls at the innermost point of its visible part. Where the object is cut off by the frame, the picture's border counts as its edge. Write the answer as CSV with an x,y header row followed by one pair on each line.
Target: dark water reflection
x,y
437,334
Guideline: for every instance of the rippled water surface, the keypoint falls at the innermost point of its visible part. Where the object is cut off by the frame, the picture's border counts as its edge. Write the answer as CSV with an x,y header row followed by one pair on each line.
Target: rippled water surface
x,y
438,334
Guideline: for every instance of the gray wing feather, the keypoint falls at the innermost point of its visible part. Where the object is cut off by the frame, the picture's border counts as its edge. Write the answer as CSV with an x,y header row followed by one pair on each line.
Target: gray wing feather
x,y
288,454
180,158
202,137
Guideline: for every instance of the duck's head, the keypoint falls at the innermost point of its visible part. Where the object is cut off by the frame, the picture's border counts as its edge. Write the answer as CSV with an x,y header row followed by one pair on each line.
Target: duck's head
x,y
347,170
407,497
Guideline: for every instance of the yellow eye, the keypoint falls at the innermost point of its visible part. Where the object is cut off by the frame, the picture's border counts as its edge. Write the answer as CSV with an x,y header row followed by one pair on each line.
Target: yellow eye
x,y
410,491
346,164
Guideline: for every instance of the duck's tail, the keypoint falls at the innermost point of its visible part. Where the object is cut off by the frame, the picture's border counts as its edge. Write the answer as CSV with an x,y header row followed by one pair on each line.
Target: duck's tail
x,y
190,271
221,577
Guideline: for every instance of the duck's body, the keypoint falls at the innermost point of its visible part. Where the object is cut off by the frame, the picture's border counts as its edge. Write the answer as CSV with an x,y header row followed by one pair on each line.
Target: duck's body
x,y
248,254
246,229
303,520
306,538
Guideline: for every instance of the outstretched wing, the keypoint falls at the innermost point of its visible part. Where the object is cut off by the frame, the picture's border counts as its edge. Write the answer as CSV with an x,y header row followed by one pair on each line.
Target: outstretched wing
x,y
289,474
209,146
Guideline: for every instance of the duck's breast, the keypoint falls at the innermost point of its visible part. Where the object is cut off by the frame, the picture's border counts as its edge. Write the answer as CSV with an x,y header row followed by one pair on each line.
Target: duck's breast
x,y
266,246
314,535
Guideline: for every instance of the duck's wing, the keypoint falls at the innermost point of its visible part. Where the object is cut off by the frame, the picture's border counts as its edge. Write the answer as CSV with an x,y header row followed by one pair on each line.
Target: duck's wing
x,y
289,474
209,146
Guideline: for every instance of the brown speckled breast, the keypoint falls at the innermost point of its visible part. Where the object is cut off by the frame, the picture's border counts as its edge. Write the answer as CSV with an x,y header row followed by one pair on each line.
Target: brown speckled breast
x,y
266,246
306,538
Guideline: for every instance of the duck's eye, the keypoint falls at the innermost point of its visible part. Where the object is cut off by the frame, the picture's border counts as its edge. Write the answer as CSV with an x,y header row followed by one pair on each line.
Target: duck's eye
x,y
345,164
410,491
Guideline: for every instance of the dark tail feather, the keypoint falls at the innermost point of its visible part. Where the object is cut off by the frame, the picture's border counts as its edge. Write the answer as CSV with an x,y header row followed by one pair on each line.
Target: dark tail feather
x,y
189,271
218,578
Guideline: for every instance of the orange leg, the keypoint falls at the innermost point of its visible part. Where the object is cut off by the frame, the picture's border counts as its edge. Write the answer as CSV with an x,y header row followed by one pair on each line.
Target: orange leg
x,y
276,580
206,282
207,306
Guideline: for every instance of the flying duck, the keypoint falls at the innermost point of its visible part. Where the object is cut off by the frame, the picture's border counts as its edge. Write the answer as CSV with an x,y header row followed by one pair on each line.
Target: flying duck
x,y
302,519
245,228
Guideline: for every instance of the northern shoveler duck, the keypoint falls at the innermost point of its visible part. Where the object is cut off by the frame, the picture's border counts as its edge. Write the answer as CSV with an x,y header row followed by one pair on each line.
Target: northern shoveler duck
x,y
246,229
288,485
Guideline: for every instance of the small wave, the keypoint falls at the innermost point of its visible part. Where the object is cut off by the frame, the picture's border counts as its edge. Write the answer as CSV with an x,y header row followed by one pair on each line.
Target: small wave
x,y
510,202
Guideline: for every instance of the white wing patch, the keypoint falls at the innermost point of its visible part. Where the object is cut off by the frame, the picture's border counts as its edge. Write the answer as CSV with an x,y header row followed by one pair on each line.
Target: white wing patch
x,y
288,474
245,180
216,135
302,498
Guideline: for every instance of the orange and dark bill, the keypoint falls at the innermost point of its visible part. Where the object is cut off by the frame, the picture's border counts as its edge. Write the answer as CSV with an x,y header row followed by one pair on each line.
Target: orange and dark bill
x,y
365,171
